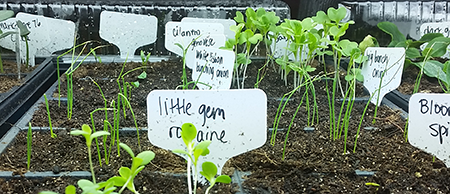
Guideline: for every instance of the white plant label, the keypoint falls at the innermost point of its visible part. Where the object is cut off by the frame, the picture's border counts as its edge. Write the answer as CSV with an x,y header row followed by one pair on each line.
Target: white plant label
x,y
386,63
37,39
429,123
62,33
234,120
209,40
128,31
184,32
227,23
213,67
440,27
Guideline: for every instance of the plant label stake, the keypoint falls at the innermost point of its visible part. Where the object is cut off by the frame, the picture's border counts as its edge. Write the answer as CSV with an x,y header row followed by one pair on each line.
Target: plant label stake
x,y
37,39
234,120
428,127
128,31
184,32
213,67
438,27
62,33
227,23
209,41
386,63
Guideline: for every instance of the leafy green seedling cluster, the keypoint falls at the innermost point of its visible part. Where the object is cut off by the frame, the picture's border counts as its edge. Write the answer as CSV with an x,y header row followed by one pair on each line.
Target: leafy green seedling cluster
x,y
124,181
193,152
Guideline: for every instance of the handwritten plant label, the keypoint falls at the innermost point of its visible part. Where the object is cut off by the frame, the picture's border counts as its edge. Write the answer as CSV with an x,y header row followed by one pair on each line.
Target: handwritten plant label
x,y
429,123
386,63
128,31
439,27
213,67
37,39
62,33
227,23
209,40
184,32
234,120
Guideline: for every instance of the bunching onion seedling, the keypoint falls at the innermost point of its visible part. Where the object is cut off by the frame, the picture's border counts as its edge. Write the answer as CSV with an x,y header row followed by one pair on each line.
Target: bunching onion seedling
x,y
49,118
69,73
29,142
193,152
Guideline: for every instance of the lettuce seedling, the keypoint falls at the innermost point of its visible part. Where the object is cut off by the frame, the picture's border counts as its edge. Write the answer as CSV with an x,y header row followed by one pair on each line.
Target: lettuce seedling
x,y
188,134
86,132
209,171
127,175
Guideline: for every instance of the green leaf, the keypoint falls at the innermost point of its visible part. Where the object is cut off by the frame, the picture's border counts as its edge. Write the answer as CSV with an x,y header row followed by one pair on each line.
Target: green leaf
x,y
412,53
433,68
6,14
308,24
125,172
135,84
321,18
79,132
71,189
117,180
127,148
136,163
86,128
146,156
83,183
223,179
368,41
446,70
430,36
438,45
143,75
47,192
336,15
201,149
23,30
188,133
5,34
239,17
179,45
255,38
179,151
392,30
209,170
98,134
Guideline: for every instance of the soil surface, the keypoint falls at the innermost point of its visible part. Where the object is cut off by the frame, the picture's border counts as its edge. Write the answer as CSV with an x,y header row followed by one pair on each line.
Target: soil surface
x,y
9,77
314,162
426,85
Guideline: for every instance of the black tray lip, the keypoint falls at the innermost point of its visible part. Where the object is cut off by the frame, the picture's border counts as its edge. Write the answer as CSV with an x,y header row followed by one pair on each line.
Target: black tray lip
x,y
17,101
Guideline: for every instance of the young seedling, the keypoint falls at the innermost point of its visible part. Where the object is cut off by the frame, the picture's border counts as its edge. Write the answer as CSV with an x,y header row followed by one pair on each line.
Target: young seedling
x,y
209,171
193,152
144,58
86,132
127,175
125,180
29,142
49,118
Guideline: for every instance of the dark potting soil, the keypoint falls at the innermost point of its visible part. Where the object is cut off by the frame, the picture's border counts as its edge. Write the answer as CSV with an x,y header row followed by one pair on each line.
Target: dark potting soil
x,y
314,163
427,84
8,80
